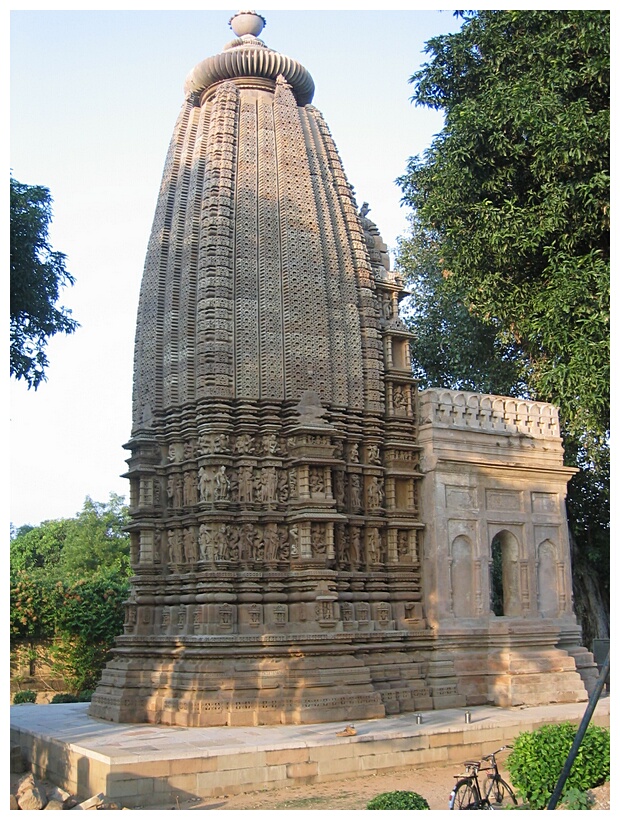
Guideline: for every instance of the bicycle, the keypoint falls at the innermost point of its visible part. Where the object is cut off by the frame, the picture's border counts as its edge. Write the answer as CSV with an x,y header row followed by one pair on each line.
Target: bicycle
x,y
468,793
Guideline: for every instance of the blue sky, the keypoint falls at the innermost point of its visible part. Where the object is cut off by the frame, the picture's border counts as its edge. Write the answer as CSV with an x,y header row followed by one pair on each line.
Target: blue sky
x,y
94,98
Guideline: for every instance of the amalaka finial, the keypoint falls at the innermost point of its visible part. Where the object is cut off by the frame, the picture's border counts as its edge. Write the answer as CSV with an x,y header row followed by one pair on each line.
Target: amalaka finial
x,y
247,22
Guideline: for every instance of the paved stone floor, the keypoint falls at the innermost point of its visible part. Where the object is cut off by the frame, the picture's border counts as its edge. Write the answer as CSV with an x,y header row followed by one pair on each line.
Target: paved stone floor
x,y
146,764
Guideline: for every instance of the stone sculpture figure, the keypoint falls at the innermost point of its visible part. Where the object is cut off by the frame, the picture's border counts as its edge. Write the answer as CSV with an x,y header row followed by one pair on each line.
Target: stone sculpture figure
x,y
267,332
271,542
268,485
246,484
204,477
205,543
222,484
374,493
355,492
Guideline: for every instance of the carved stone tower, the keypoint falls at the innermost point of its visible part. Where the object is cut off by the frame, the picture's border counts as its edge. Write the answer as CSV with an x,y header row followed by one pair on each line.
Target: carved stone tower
x,y
274,462
275,468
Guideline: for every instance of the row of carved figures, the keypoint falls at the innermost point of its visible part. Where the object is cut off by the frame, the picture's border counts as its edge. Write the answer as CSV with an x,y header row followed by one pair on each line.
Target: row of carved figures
x,y
270,485
350,546
266,445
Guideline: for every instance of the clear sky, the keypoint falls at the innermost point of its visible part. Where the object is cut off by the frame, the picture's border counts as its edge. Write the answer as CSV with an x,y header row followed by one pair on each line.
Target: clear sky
x,y
94,98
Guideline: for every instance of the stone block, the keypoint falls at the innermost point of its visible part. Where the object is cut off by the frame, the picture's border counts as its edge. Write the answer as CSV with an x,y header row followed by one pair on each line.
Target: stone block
x,y
192,764
338,767
387,760
398,744
17,760
447,739
295,771
334,752
54,805
244,760
232,781
178,782
141,787
287,756
146,768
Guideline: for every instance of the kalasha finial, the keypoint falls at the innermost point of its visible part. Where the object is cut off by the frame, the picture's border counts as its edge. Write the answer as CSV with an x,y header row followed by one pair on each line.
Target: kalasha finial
x,y
247,22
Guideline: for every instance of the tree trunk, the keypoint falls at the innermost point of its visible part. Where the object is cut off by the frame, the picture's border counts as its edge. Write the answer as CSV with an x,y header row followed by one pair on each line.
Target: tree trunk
x,y
591,607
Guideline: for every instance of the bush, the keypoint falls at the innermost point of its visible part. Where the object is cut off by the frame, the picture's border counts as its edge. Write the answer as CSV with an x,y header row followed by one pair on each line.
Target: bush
x,y
396,801
65,697
27,696
85,696
575,800
538,757
80,617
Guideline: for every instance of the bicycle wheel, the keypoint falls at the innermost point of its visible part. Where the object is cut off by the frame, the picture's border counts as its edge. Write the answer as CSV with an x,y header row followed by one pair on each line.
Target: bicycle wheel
x,y
500,793
464,796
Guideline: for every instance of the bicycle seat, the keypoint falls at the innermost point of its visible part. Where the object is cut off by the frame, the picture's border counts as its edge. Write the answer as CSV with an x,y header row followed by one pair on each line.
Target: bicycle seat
x,y
471,763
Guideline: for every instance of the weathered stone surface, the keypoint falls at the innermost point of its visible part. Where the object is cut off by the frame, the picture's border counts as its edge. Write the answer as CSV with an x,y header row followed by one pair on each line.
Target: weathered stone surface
x,y
281,530
56,794
30,794
54,805
17,759
93,802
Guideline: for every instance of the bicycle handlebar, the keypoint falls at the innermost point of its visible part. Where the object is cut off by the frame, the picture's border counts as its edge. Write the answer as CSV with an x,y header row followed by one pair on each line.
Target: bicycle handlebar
x,y
492,755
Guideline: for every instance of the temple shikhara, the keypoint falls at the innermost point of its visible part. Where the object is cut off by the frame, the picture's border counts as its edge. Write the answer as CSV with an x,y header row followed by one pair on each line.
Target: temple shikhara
x,y
312,538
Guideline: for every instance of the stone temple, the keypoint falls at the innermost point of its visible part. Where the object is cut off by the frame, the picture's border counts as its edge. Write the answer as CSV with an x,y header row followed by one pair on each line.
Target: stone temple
x,y
312,539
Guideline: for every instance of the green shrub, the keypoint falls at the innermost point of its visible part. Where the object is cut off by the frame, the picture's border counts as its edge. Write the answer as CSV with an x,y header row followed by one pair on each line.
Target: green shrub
x,y
538,757
397,801
575,800
85,696
26,696
65,697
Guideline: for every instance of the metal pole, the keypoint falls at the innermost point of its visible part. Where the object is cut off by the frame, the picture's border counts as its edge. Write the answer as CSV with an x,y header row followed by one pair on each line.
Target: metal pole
x,y
585,720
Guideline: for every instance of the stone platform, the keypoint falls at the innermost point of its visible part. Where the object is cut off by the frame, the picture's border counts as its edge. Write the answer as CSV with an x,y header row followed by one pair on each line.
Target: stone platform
x,y
151,766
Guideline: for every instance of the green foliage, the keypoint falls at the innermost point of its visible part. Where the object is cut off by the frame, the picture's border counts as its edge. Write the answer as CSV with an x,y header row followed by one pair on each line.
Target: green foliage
x,y
516,191
452,348
576,800
25,696
35,600
90,618
95,538
36,547
64,697
37,275
92,541
398,801
537,759
69,580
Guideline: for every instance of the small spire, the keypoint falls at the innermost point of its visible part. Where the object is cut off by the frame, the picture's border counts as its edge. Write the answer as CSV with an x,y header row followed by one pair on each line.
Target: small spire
x,y
247,22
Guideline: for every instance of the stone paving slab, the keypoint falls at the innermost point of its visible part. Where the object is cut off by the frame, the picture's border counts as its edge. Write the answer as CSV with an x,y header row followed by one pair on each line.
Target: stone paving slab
x,y
151,765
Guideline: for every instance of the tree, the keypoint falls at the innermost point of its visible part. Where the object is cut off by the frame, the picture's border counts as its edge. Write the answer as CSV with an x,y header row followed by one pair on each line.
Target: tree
x,y
508,253
92,542
516,187
95,538
38,547
37,275
452,348
69,579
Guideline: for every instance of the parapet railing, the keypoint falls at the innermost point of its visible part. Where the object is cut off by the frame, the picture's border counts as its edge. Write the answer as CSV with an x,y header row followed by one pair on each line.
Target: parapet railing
x,y
476,411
